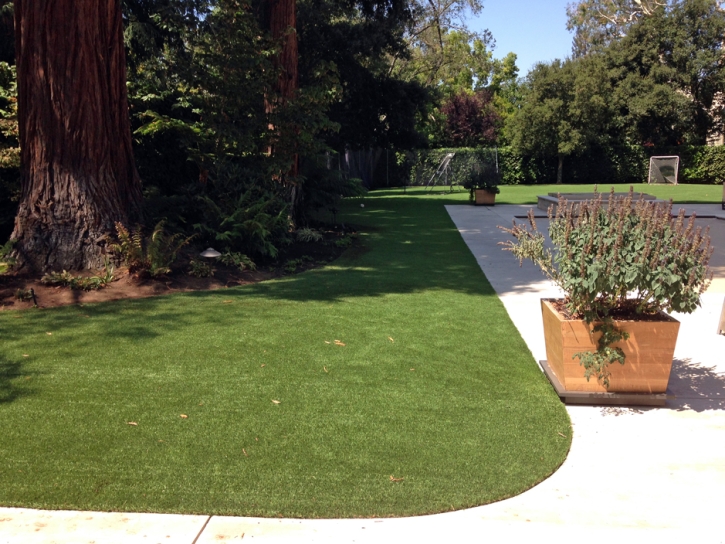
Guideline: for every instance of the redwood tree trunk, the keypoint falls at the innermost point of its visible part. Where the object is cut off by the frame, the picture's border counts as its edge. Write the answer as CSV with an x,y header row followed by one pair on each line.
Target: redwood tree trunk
x,y
282,21
283,27
78,173
560,171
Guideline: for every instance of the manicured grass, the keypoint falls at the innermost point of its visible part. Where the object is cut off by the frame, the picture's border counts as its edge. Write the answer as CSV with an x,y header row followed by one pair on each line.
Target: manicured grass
x,y
433,387
526,194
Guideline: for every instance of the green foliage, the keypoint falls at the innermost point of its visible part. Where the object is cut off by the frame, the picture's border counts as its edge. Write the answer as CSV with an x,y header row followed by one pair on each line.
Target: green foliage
x,y
626,256
469,166
24,295
201,269
80,283
324,188
6,260
239,260
9,148
244,216
564,110
292,265
597,362
308,235
152,255
346,241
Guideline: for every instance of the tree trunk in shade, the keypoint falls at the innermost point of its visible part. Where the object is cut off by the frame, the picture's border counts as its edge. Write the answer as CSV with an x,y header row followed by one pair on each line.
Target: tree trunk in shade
x,y
78,173
560,170
282,20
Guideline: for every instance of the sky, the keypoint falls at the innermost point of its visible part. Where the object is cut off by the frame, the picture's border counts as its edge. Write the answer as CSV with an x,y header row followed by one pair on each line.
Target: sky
x,y
533,29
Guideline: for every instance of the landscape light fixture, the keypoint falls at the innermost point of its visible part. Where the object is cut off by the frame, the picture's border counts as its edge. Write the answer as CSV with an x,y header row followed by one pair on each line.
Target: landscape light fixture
x,y
210,253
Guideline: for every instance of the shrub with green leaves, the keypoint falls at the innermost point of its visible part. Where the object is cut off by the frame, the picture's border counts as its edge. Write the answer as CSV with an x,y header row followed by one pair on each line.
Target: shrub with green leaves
x,y
617,259
308,235
239,260
152,255
80,283
621,256
201,269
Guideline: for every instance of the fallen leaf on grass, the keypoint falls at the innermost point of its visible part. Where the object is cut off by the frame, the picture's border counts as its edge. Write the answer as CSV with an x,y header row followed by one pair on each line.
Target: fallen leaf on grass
x,y
394,479
132,423
389,338
184,416
324,368
412,369
562,435
326,342
49,333
338,343
245,452
26,355
276,401
263,366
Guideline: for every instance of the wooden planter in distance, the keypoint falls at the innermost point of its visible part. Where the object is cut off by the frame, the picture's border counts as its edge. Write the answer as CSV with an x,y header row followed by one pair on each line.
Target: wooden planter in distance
x,y
648,353
485,198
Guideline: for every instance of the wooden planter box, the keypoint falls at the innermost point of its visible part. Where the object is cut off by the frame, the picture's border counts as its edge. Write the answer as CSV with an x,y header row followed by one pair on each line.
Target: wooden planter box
x,y
484,198
648,353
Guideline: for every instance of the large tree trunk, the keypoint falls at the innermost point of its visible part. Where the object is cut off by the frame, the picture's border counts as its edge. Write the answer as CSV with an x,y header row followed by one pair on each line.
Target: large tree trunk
x,y
283,27
282,21
78,173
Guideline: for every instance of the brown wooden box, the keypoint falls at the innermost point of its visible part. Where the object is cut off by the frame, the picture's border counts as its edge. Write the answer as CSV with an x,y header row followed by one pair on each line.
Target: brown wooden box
x,y
484,198
648,353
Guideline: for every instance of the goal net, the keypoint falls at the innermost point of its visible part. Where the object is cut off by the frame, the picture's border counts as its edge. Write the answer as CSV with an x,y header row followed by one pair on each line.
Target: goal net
x,y
663,170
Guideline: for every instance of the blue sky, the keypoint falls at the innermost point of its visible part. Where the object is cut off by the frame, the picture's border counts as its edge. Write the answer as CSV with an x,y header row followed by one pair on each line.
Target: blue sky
x,y
533,29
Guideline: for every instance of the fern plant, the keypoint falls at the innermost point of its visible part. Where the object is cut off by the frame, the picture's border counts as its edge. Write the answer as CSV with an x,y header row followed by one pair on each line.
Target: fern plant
x,y
152,255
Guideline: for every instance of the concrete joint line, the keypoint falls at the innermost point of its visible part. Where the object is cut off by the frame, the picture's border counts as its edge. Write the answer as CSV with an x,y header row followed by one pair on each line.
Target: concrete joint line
x,y
202,530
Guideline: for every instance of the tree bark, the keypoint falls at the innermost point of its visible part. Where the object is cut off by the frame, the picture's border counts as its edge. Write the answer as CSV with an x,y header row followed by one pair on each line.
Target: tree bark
x,y
283,27
78,172
282,20
560,170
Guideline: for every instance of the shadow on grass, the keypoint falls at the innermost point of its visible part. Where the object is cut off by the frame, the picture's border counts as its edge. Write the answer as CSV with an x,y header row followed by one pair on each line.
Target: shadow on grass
x,y
407,245
12,373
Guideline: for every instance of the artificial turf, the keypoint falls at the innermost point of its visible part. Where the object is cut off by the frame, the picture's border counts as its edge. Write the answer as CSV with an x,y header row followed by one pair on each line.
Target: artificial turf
x,y
680,194
391,382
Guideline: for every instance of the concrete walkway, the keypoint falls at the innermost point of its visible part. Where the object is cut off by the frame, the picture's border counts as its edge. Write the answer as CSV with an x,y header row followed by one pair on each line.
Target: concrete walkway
x,y
644,475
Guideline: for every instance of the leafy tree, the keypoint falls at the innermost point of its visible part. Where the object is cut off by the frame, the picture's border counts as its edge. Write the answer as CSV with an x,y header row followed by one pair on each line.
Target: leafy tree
x,y
358,37
666,74
564,110
597,23
471,120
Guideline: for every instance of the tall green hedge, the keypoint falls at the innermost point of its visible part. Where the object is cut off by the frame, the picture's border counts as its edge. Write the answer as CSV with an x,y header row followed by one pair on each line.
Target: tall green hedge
x,y
617,164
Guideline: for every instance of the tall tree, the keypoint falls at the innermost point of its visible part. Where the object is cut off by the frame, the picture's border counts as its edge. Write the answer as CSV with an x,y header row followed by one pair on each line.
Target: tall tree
x,y
597,23
564,110
78,173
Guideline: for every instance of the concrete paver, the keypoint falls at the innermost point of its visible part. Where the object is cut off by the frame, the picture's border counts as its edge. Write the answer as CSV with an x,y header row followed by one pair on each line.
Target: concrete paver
x,y
632,474
26,526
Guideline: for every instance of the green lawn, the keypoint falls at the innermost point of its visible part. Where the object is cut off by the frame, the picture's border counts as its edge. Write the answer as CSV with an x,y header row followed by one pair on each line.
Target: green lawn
x,y
526,194
433,386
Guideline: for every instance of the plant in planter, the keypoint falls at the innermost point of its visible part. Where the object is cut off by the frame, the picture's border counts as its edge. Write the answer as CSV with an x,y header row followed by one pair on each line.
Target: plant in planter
x,y
621,264
482,184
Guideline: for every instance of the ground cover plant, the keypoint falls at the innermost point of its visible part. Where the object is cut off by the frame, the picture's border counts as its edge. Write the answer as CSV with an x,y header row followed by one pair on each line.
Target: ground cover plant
x,y
391,382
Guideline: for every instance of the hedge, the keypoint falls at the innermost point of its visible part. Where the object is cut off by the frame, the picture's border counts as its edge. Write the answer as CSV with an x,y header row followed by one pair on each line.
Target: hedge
x,y
620,164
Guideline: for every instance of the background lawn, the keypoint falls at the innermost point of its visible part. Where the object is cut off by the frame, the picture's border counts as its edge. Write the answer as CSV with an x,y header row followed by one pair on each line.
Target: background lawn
x,y
526,194
433,386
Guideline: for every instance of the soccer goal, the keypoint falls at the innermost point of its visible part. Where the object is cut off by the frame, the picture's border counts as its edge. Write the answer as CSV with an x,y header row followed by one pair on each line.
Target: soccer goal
x,y
663,170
